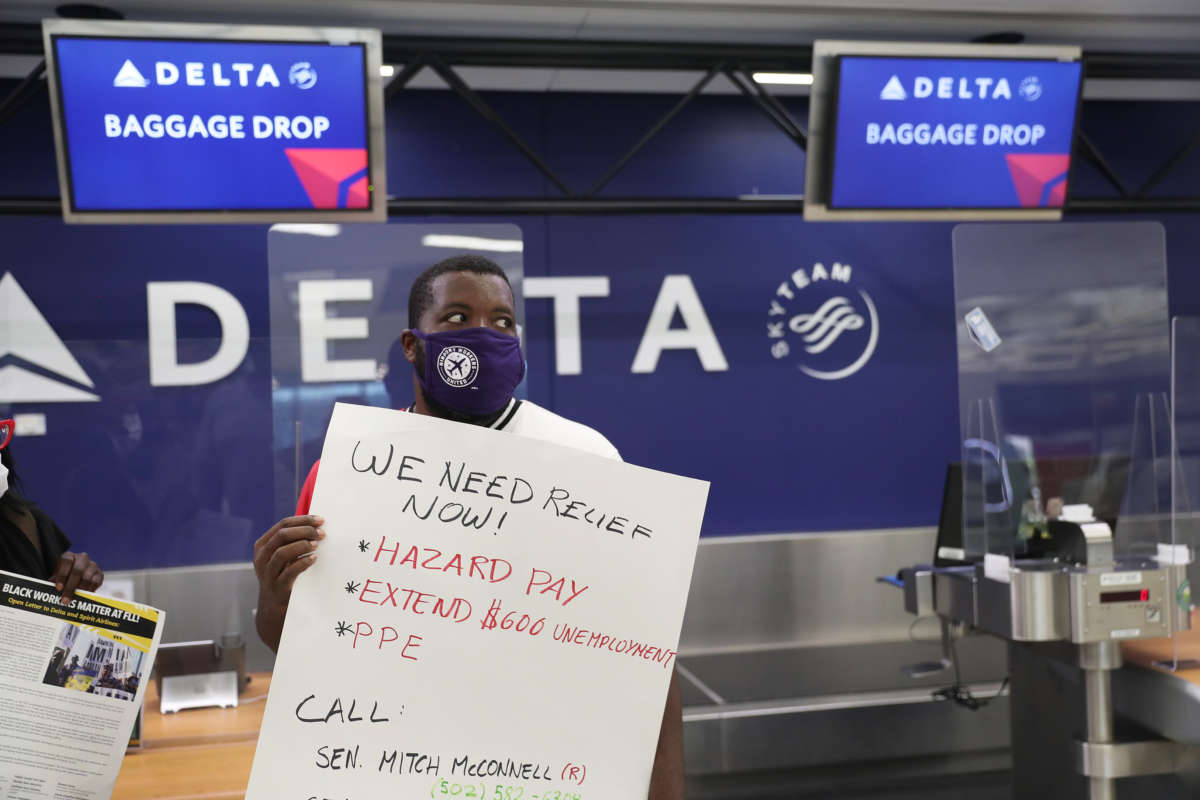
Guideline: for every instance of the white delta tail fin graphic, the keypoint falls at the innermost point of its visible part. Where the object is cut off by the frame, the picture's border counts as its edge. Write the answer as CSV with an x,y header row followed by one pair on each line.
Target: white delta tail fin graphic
x,y
25,333
893,90
129,77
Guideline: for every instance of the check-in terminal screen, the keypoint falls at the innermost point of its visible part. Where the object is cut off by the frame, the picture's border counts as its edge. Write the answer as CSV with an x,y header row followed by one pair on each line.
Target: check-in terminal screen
x,y
191,125
1130,596
953,133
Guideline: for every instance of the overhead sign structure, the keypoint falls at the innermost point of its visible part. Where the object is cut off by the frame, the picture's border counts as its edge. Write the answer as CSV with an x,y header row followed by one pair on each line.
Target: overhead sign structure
x,y
941,131
489,616
202,123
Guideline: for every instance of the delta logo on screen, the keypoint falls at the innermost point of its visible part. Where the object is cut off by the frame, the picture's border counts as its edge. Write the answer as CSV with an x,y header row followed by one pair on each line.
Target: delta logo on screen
x,y
302,75
953,133
332,177
951,88
191,126
1039,178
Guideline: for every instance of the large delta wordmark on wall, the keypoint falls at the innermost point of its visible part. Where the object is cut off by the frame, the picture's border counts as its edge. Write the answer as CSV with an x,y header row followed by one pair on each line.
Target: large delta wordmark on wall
x,y
831,325
820,368
241,125
35,365
954,133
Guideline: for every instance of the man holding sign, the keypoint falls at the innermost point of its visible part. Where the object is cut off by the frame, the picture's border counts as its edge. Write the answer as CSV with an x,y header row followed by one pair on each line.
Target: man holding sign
x,y
467,362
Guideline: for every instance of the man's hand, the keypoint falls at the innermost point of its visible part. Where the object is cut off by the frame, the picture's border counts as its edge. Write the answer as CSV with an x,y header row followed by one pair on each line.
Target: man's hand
x,y
76,571
283,552
280,555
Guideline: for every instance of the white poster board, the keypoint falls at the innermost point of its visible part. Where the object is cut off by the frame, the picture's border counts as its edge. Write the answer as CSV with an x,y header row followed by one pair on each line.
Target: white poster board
x,y
490,616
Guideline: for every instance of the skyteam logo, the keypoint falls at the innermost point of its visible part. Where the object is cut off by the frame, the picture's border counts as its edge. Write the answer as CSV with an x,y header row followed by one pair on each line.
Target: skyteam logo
x,y
819,321
1030,88
35,365
302,75
458,366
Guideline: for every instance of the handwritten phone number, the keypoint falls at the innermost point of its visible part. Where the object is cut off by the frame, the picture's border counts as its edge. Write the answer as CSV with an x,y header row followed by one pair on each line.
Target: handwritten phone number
x,y
445,788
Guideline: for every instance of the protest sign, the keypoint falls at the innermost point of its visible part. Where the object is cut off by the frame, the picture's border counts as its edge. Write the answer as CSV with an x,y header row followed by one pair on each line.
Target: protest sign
x,y
490,616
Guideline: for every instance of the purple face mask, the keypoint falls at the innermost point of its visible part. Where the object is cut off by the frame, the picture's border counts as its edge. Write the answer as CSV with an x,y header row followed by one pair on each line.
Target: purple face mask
x,y
472,371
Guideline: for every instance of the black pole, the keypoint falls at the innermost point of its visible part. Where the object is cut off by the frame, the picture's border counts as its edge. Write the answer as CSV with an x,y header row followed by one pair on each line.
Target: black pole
x,y
404,76
783,124
1093,155
800,135
654,131
1166,168
1132,205
20,94
585,206
475,101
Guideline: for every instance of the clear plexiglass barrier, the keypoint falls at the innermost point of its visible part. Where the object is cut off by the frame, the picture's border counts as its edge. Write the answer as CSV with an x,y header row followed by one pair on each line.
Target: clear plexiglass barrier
x,y
1064,362
1185,429
171,471
339,302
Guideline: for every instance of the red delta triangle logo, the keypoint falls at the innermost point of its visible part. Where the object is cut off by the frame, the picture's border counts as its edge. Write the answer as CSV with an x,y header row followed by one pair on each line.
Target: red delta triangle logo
x,y
332,178
1040,179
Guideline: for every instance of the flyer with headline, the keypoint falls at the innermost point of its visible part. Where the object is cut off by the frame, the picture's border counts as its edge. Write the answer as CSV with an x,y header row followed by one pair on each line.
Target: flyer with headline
x,y
72,680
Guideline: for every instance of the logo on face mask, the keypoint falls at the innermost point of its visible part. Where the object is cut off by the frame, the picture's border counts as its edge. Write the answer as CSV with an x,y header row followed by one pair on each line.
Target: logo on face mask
x,y
458,366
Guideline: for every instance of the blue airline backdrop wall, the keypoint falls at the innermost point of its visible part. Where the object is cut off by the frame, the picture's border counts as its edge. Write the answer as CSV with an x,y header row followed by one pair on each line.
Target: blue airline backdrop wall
x,y
813,397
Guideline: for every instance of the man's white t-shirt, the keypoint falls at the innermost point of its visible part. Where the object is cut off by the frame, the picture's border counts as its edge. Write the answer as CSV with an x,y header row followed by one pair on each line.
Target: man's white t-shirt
x,y
526,418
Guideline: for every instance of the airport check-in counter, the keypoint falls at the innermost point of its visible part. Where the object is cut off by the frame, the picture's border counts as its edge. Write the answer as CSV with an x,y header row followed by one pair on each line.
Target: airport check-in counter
x,y
1072,693
1078,472
794,659
808,668
803,668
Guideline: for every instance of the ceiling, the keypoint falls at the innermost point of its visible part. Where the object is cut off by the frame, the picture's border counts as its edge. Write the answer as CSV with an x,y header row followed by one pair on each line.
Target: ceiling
x,y
1121,26
1111,25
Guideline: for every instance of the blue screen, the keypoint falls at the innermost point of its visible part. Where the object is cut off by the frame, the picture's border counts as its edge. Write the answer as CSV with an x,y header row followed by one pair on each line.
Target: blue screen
x,y
170,125
953,133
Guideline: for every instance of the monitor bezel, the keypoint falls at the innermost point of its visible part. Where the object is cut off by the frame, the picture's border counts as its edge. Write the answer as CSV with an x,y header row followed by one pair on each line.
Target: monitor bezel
x,y
372,48
823,106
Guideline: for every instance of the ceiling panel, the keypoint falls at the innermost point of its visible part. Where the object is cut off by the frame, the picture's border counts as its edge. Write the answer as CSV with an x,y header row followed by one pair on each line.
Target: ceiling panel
x,y
1133,25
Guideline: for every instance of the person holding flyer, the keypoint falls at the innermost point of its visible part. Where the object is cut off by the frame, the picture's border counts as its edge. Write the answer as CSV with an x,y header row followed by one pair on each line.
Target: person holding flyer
x,y
30,542
466,356
71,655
